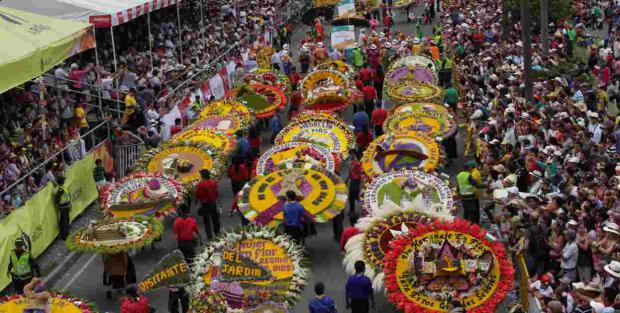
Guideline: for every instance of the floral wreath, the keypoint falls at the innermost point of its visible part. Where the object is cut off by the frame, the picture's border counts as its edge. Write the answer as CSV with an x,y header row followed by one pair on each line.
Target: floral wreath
x,y
411,141
417,59
218,140
341,66
83,305
270,77
337,136
210,155
108,191
473,239
366,245
205,260
314,93
238,123
317,153
396,74
420,106
254,95
270,216
142,229
414,92
228,107
208,301
444,127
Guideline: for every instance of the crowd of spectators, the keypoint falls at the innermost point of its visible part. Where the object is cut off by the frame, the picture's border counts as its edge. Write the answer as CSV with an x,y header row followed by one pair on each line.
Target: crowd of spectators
x,y
45,116
550,163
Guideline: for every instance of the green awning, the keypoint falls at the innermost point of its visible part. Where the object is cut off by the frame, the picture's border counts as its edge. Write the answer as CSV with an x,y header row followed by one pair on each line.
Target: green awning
x,y
32,44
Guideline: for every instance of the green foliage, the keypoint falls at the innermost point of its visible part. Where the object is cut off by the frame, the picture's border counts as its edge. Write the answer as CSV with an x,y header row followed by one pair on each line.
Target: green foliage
x,y
558,9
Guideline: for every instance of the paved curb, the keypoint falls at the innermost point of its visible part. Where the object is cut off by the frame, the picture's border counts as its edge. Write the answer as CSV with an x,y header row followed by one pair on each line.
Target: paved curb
x,y
56,274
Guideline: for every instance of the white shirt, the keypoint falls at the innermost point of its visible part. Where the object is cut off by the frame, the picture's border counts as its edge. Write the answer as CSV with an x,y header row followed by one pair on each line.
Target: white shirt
x,y
547,292
570,253
597,133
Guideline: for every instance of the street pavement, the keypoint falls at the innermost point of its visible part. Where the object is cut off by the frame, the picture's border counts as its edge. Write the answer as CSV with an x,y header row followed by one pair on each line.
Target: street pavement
x,y
84,277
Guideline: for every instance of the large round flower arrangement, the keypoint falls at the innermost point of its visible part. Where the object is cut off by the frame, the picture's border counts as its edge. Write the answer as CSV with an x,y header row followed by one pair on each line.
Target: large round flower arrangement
x,y
401,150
224,144
377,231
421,106
182,161
264,100
433,124
60,302
408,91
443,261
115,235
267,76
227,124
415,73
323,194
149,194
251,267
337,65
228,107
404,187
292,152
414,60
330,133
328,90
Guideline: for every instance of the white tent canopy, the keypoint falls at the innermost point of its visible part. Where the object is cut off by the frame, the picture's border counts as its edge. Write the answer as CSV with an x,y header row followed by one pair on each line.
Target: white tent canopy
x,y
101,13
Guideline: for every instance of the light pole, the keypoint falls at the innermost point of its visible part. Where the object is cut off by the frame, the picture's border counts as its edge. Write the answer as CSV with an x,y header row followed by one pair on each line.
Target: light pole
x,y
544,26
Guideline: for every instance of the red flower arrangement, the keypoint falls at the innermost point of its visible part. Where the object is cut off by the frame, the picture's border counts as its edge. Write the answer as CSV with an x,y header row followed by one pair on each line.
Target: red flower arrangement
x,y
399,246
84,305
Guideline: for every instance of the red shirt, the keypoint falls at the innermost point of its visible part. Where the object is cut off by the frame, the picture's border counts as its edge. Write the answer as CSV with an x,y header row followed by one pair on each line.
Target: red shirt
x,y
379,116
175,129
206,191
365,75
294,78
359,84
355,170
363,139
296,99
347,233
185,228
254,142
369,93
238,174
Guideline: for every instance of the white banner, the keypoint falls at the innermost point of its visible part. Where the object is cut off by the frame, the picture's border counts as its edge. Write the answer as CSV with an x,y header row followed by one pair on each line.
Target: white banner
x,y
346,9
217,87
343,36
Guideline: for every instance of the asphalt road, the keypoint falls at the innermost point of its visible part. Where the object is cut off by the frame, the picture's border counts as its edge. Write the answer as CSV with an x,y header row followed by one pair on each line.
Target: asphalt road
x,y
84,277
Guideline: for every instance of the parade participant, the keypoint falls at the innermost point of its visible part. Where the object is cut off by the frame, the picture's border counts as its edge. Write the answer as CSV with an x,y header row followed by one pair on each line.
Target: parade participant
x,y
255,141
354,180
305,58
22,268
358,56
321,303
374,56
115,270
377,118
359,292
239,174
134,302
444,66
178,296
320,54
467,184
350,231
99,174
370,97
38,298
63,201
275,123
293,217
319,30
186,230
244,150
207,195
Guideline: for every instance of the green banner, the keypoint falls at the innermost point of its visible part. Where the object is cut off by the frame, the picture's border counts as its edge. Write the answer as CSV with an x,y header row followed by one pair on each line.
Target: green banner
x,y
38,217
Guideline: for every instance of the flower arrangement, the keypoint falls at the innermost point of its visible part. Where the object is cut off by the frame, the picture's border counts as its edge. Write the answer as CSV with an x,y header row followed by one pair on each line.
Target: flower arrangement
x,y
450,261
227,124
292,152
61,302
264,100
267,76
415,73
208,301
287,290
337,65
228,106
328,132
376,231
400,150
115,235
421,106
210,137
130,196
406,187
318,78
413,60
323,194
432,123
409,91
182,160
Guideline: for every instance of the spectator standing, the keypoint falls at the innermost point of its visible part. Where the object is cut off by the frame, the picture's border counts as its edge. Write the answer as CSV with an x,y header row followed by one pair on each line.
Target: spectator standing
x,y
358,290
321,303
207,195
569,258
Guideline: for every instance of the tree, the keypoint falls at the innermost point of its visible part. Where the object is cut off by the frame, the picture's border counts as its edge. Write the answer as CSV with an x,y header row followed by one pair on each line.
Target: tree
x,y
558,9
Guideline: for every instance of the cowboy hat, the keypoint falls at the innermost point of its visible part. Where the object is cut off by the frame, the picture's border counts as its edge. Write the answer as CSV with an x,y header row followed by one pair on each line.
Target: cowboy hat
x,y
536,173
373,47
581,106
614,229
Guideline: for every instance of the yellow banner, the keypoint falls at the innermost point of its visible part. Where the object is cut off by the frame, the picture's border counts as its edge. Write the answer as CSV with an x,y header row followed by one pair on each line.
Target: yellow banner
x,y
38,217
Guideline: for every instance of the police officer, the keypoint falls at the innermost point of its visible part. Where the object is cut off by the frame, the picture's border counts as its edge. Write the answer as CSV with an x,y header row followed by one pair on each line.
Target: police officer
x,y
64,207
467,186
444,66
21,267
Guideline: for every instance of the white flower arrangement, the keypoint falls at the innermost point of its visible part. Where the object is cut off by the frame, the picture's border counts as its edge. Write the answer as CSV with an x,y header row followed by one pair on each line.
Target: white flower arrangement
x,y
212,254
